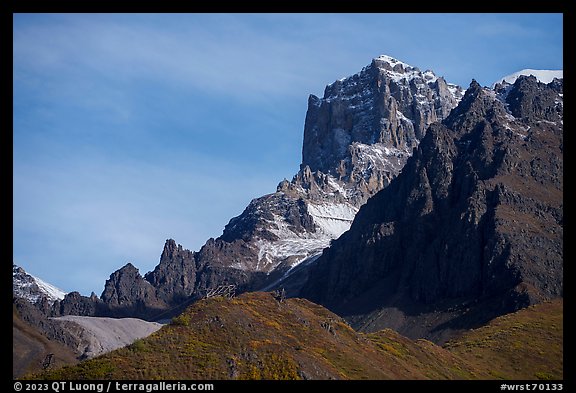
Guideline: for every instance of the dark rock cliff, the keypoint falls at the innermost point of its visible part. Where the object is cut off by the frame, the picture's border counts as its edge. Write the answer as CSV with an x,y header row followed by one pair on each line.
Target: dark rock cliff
x,y
472,228
174,278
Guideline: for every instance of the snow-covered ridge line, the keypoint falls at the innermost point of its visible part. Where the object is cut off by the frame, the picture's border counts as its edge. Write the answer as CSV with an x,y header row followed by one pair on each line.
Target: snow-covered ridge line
x,y
49,289
392,61
544,76
32,288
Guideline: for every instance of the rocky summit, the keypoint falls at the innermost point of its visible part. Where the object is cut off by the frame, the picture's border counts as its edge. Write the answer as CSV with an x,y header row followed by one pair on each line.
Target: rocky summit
x,y
471,229
365,126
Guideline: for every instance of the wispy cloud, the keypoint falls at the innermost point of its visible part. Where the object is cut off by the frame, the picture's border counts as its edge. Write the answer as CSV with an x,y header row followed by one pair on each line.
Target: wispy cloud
x,y
228,57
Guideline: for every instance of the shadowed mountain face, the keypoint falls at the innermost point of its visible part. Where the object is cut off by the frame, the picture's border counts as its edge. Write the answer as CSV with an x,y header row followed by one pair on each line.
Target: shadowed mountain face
x,y
472,228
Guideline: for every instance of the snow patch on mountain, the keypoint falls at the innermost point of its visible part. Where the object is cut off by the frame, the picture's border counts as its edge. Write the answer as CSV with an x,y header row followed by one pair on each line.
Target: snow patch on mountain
x,y
333,183
544,76
272,254
332,219
379,156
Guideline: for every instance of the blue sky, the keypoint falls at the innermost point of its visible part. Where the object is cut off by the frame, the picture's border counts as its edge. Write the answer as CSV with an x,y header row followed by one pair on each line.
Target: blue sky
x,y
130,129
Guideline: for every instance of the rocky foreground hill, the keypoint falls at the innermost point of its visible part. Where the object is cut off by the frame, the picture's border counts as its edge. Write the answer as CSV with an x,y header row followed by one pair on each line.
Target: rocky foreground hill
x,y
39,341
255,336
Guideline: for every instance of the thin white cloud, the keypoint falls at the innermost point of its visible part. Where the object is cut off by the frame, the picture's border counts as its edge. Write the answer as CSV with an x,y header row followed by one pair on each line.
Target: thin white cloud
x,y
237,61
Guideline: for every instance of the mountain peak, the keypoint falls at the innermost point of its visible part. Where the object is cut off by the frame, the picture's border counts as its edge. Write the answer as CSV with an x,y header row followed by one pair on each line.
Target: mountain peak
x,y
170,247
129,267
125,285
391,61
389,102
474,85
